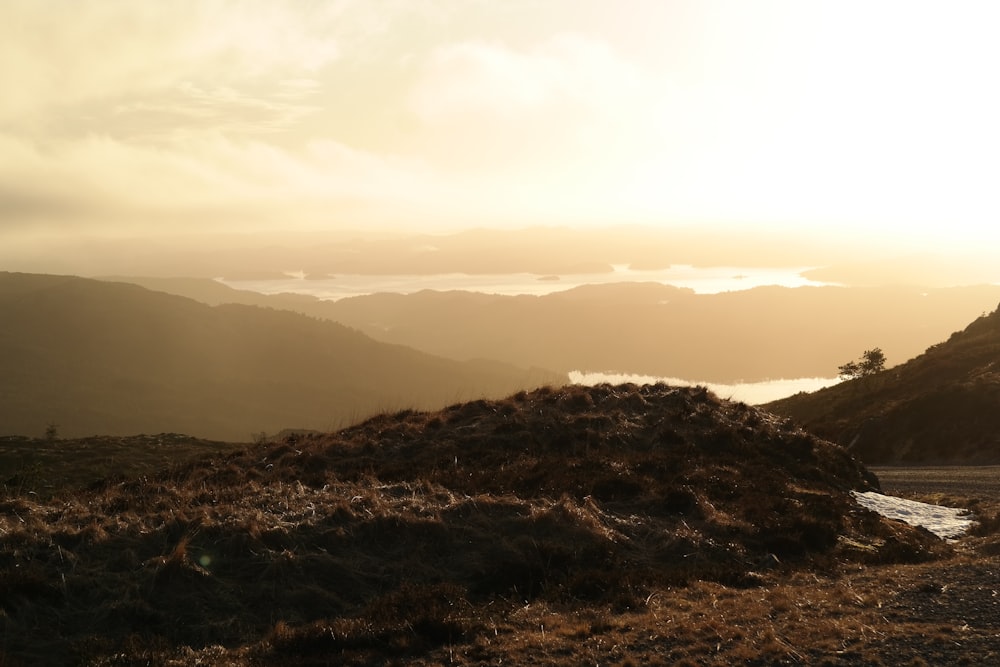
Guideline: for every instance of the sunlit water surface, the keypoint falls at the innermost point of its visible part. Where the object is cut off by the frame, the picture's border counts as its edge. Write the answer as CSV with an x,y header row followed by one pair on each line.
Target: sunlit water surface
x,y
753,393
703,280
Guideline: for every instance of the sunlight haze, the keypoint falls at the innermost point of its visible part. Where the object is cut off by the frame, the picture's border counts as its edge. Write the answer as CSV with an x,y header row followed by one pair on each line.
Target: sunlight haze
x,y
479,332
125,119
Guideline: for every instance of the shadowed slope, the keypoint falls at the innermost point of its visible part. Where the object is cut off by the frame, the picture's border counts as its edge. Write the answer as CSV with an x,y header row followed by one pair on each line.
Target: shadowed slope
x,y
415,533
940,407
645,328
116,359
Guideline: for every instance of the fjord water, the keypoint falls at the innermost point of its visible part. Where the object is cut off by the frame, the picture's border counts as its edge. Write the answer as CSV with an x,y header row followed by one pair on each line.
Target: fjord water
x,y
703,280
754,393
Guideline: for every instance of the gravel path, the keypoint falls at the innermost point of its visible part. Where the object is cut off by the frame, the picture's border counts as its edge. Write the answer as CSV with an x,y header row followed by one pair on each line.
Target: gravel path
x,y
963,481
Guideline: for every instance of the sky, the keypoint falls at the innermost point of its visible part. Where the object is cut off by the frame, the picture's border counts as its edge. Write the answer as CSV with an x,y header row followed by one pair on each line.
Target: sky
x,y
129,119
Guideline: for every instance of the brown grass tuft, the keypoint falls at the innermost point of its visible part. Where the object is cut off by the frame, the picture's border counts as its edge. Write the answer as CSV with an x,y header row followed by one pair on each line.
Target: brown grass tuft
x,y
610,524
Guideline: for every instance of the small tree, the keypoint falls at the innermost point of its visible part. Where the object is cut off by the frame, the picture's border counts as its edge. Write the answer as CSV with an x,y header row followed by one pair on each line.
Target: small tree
x,y
51,432
850,370
872,362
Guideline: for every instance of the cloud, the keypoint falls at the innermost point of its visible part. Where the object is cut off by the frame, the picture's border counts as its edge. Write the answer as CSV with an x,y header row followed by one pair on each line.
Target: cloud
x,y
488,79
223,109
225,112
559,114
55,55
205,180
119,114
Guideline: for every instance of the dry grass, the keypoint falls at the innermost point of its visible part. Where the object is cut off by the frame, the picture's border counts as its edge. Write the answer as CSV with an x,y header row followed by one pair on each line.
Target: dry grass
x,y
42,467
607,525
935,409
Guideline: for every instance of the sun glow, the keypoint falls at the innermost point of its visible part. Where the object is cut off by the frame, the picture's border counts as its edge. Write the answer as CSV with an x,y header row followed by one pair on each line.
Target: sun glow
x,y
876,121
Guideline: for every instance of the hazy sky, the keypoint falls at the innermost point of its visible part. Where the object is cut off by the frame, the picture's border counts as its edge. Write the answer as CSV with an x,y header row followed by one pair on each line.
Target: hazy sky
x,y
126,118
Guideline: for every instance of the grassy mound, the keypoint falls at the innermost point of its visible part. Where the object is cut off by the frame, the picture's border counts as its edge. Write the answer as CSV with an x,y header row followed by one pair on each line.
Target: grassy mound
x,y
412,534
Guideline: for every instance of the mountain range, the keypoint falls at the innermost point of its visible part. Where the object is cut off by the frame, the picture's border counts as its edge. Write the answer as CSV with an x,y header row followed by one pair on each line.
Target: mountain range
x,y
89,356
624,524
645,328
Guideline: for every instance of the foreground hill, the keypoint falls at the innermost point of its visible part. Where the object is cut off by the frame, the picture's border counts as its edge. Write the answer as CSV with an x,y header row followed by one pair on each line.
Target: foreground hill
x,y
112,358
560,526
940,407
646,328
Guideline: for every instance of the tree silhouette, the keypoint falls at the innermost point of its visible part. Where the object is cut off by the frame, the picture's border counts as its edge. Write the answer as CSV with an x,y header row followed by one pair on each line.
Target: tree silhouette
x,y
872,362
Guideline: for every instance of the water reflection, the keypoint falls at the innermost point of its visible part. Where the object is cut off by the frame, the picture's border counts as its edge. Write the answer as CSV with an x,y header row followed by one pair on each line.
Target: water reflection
x,y
753,393
703,280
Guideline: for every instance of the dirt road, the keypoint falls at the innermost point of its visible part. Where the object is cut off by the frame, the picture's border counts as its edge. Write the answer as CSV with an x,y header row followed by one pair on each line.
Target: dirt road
x,y
981,482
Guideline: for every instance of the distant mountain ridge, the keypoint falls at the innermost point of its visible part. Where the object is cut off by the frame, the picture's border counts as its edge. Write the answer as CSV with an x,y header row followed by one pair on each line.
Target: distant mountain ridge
x,y
941,407
117,359
645,328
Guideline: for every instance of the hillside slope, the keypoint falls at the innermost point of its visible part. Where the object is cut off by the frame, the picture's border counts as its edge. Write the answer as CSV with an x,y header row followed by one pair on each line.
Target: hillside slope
x,y
110,358
943,406
646,328
751,335
446,537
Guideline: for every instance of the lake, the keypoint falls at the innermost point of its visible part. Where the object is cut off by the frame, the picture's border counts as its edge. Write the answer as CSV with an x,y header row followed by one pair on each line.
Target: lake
x,y
703,280
753,393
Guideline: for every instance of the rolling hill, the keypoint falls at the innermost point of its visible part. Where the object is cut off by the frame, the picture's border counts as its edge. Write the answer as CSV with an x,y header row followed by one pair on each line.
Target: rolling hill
x,y
514,531
115,359
941,407
646,328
